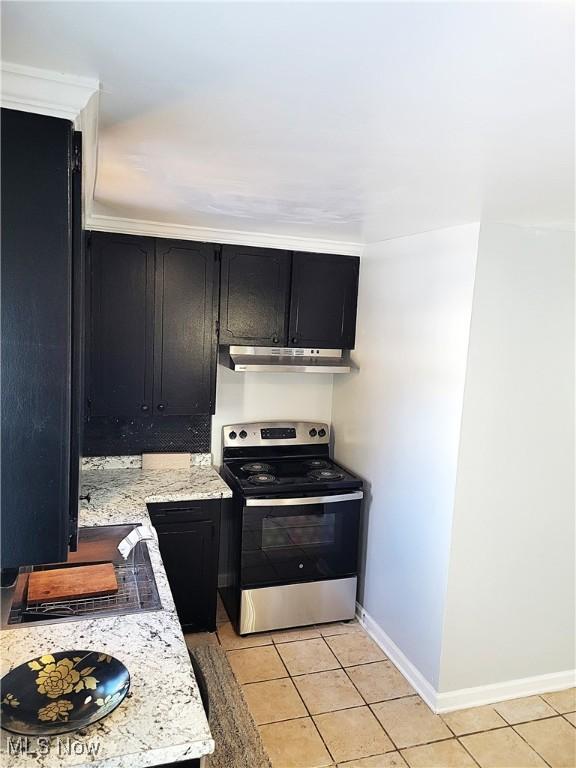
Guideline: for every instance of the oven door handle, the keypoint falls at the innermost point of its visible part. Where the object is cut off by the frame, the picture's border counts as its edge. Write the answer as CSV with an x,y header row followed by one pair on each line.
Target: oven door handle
x,y
304,501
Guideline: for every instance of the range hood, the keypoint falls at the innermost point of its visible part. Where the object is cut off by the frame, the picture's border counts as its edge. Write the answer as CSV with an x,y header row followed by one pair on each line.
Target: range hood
x,y
285,360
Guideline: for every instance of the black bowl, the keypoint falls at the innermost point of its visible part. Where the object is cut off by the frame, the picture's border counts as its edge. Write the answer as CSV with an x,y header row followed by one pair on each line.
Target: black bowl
x,y
61,692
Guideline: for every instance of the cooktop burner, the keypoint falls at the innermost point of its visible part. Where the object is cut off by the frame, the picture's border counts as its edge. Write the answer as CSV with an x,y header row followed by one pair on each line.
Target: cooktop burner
x,y
325,474
262,478
256,466
290,474
283,460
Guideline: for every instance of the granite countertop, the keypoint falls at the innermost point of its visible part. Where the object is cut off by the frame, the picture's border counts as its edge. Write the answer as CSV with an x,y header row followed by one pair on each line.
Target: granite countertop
x,y
120,495
162,720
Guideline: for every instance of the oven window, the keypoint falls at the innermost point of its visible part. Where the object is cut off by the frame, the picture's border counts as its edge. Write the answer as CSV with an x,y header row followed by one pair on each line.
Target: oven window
x,y
298,530
304,542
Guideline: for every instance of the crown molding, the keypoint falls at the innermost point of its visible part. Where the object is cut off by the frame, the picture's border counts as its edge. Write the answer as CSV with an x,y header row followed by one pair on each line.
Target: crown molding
x,y
126,226
44,92
87,122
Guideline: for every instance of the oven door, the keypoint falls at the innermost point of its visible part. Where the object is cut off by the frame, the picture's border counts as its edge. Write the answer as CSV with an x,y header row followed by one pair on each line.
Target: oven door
x,y
302,539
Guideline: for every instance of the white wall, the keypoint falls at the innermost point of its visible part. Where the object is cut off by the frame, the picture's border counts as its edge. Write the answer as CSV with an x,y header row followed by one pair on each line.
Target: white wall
x,y
397,424
269,397
510,600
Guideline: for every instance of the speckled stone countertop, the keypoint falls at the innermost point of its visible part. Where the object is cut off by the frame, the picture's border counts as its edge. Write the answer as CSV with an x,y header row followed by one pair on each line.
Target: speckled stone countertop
x,y
120,495
162,720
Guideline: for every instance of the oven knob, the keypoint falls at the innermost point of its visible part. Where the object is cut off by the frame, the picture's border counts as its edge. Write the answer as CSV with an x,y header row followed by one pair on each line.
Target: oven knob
x,y
232,435
312,433
321,433
243,434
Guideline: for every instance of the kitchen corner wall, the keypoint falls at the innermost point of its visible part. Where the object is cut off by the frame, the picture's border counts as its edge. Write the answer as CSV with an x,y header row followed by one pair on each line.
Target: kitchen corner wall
x,y
269,397
510,600
461,420
397,423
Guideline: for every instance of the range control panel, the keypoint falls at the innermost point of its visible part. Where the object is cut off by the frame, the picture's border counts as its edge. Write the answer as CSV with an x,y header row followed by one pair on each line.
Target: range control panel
x,y
278,433
275,433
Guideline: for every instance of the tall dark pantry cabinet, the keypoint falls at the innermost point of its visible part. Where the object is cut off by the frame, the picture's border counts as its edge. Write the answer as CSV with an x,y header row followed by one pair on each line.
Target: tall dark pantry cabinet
x,y
41,329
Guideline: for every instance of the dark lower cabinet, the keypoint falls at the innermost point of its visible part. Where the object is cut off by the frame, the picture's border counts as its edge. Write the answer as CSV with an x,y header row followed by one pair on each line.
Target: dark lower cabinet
x,y
189,534
323,301
39,362
254,296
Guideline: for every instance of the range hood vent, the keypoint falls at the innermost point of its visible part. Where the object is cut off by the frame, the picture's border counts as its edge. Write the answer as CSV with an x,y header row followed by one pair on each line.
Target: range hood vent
x,y
285,360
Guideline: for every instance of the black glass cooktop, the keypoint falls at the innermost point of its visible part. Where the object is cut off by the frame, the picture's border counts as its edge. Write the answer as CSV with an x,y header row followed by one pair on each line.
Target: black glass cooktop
x,y
274,475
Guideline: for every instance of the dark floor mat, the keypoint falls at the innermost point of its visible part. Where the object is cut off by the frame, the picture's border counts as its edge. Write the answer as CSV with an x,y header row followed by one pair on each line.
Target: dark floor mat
x,y
238,743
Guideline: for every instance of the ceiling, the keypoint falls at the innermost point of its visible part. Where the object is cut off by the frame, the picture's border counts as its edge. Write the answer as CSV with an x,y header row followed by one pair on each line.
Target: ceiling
x,y
347,121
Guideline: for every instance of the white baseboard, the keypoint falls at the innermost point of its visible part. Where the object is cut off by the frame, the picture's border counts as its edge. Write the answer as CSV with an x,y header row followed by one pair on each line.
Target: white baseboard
x,y
510,689
465,697
404,665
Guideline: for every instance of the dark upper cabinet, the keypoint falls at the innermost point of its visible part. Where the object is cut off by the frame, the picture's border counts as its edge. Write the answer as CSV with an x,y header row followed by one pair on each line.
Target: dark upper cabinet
x,y
254,296
152,344
119,370
186,294
39,362
271,297
323,300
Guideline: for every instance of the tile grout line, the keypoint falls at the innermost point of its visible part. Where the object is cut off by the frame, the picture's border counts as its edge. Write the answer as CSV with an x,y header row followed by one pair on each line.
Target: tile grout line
x,y
453,737
457,738
527,722
291,677
465,748
381,701
309,715
530,745
523,722
541,696
411,746
326,747
401,750
363,699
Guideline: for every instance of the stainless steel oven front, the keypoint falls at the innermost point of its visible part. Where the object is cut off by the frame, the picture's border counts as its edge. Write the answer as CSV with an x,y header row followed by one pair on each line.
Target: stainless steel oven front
x,y
298,560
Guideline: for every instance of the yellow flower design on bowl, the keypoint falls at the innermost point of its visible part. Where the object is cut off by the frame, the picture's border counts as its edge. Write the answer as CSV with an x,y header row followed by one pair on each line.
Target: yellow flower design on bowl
x,y
57,679
56,710
61,692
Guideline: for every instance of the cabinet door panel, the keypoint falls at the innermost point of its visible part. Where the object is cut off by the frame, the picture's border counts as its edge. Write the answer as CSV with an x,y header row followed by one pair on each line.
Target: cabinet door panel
x,y
185,328
254,295
191,566
120,368
35,305
323,301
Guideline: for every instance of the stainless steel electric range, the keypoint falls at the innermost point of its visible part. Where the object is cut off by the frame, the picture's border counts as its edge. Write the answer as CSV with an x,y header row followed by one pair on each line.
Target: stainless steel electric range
x,y
289,536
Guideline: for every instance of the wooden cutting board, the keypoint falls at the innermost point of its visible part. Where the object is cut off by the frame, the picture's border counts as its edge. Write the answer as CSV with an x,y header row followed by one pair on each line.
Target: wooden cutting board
x,y
72,583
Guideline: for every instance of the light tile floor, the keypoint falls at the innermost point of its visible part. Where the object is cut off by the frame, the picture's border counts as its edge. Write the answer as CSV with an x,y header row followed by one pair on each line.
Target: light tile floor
x,y
328,696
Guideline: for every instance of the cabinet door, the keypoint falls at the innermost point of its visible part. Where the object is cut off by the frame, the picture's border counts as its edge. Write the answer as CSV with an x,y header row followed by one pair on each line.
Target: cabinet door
x,y
185,344
323,301
254,296
119,371
35,306
190,560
